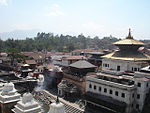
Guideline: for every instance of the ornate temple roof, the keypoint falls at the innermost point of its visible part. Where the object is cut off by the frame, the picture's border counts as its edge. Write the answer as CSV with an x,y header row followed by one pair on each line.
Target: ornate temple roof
x,y
129,41
128,52
144,57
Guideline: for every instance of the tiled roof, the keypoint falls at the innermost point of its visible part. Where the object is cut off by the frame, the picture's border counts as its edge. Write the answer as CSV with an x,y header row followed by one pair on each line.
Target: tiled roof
x,y
34,55
82,64
87,50
74,57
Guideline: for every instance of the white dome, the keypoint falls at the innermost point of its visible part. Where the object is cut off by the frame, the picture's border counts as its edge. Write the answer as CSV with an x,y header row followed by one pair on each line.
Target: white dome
x,y
27,97
57,107
8,87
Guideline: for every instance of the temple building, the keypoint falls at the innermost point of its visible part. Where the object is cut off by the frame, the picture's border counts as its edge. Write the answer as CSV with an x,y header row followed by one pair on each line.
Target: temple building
x,y
95,58
8,98
127,58
75,77
27,104
118,87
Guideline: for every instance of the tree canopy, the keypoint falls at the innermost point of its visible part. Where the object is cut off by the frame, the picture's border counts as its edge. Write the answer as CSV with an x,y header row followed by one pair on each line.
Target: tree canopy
x,y
61,43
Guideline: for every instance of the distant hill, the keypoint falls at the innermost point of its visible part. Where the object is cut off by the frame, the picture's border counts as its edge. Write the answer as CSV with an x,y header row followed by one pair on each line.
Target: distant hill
x,y
19,34
62,43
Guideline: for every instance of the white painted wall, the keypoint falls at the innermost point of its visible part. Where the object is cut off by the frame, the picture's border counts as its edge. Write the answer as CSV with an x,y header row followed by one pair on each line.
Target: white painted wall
x,y
124,65
127,90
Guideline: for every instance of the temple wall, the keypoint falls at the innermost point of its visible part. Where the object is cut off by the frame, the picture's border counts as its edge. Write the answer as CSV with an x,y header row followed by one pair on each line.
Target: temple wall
x,y
124,65
128,91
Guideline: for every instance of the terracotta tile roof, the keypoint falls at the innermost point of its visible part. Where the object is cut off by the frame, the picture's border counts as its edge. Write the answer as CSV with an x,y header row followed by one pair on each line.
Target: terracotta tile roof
x,y
74,57
59,53
83,50
34,55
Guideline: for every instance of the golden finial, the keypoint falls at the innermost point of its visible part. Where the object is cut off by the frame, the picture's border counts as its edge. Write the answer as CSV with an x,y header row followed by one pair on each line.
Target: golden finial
x,y
129,35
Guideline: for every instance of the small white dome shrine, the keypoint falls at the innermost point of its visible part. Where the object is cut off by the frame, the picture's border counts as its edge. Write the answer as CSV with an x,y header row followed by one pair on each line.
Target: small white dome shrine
x,y
57,107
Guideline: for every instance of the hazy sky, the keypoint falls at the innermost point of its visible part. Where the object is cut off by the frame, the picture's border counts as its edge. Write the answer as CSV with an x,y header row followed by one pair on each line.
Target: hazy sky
x,y
90,17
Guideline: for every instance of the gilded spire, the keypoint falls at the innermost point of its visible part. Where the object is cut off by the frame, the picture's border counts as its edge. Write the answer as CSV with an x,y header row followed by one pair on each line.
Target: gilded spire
x,y
57,100
129,35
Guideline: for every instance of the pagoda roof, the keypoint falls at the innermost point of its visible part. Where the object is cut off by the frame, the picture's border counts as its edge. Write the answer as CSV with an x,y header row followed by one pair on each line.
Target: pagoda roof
x,y
128,42
82,64
129,57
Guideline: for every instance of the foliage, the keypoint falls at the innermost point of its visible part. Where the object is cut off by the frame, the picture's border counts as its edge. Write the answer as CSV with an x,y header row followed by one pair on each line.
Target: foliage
x,y
14,54
61,43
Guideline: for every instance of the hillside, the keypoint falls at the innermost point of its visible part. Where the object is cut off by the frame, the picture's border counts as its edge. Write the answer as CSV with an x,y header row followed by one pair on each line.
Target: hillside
x,y
61,43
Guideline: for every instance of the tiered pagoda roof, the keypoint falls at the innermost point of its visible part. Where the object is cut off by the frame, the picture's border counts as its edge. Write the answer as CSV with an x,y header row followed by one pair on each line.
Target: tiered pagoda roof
x,y
129,41
128,50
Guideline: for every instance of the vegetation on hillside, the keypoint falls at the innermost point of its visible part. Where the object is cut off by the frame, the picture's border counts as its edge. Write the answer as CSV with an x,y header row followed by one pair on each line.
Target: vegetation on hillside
x,y
61,43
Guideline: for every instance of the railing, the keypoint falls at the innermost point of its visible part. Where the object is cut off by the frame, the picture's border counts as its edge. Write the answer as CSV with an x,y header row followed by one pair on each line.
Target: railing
x,y
114,72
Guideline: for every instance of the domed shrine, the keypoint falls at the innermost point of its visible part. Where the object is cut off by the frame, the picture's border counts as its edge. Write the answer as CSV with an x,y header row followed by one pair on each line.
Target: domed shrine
x,y
27,104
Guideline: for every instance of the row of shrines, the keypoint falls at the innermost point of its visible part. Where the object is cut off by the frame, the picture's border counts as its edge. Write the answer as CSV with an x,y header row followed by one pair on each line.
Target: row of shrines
x,y
122,85
12,102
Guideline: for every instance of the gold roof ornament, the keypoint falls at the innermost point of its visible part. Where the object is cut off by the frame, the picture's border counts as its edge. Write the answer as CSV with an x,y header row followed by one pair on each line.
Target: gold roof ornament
x,y
128,50
129,58
129,35
129,41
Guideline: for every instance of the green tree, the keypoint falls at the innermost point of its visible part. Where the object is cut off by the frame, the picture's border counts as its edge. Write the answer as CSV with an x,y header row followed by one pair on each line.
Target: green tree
x,y
13,54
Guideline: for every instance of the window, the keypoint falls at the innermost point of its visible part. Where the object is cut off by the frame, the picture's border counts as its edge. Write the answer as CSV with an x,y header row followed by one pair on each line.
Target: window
x,y
138,96
94,87
139,84
116,93
132,104
132,68
137,106
135,69
90,86
147,85
100,88
105,90
59,92
123,95
110,92
133,95
118,68
105,65
108,65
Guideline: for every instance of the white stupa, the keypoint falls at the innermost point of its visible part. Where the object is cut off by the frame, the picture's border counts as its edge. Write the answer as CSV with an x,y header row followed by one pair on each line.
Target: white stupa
x,y
27,105
57,107
8,97
1,86
9,94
